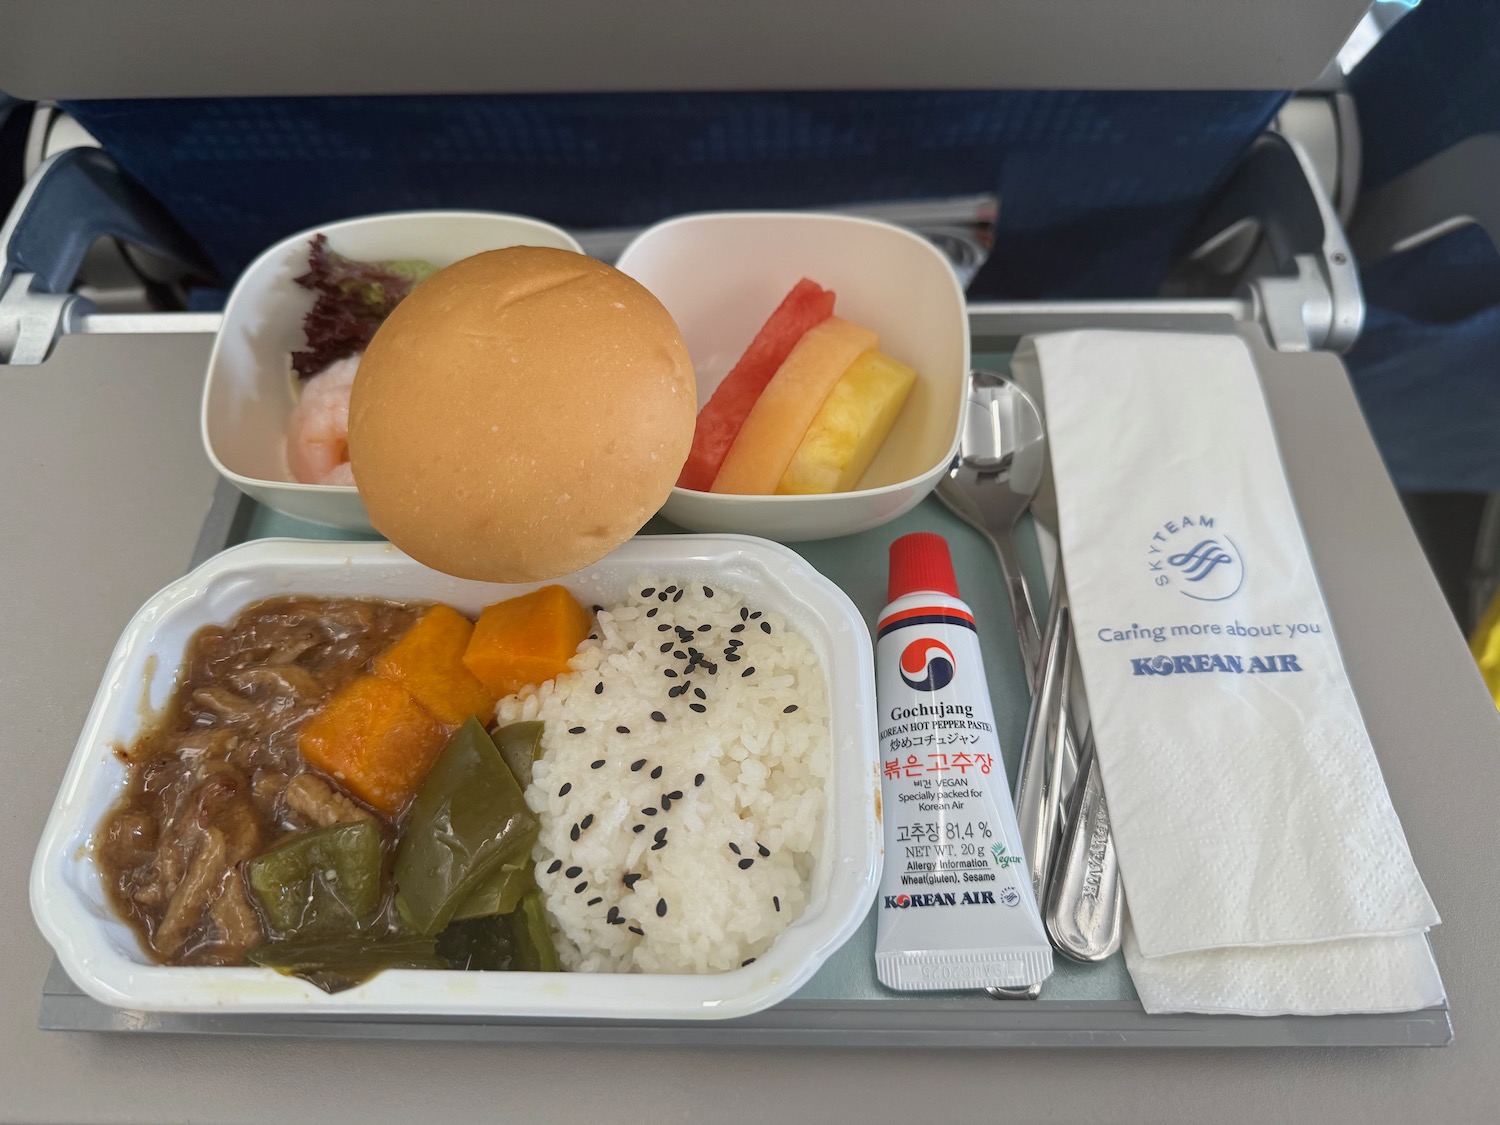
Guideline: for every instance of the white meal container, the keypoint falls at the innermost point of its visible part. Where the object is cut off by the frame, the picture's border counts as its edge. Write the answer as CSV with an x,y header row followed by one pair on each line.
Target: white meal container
x,y
102,955
722,274
248,395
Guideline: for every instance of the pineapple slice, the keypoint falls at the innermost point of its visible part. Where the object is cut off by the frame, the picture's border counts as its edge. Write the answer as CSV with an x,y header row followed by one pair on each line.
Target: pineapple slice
x,y
850,427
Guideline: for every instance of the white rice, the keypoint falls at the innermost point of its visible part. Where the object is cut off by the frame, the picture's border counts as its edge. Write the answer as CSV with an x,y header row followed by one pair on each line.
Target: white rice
x,y
739,845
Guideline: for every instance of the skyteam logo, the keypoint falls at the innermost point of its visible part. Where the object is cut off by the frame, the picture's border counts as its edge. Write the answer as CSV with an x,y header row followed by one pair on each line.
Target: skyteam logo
x,y
1196,557
927,664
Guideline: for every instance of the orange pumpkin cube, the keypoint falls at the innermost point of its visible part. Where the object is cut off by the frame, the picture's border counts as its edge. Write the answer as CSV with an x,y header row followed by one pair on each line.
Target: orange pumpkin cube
x,y
527,640
375,740
429,663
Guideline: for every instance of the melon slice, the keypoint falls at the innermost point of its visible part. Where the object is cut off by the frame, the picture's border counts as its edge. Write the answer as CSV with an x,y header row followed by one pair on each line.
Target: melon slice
x,y
850,428
719,422
775,425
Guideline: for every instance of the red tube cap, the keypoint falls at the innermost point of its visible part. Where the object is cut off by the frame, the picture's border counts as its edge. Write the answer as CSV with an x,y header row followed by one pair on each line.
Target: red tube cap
x,y
920,561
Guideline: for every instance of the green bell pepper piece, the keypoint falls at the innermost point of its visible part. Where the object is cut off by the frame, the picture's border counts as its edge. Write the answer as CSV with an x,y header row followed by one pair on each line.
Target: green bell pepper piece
x,y
468,818
520,744
327,878
337,962
499,892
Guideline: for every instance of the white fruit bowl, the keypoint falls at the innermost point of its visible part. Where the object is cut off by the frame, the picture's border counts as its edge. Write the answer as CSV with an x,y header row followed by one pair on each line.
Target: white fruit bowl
x,y
722,274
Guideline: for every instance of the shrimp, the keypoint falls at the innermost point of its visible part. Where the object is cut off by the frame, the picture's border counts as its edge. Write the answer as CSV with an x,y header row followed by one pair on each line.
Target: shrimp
x,y
317,436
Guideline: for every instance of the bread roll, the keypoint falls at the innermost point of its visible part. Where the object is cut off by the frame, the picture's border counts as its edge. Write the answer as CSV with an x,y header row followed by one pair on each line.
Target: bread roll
x,y
520,415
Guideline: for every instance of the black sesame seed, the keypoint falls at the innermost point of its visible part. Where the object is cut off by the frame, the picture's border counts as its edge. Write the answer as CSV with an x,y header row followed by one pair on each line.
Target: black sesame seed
x,y
648,591
713,669
663,627
700,693
573,833
750,671
589,820
704,628
666,647
776,902
765,852
680,655
736,643
649,810
656,847
747,961
599,688
745,864
732,657
639,828
652,611
595,901
656,773
637,930
573,872
708,591
622,730
697,779
613,916
755,616
658,716
677,597
698,707
631,879
789,708
661,908
583,886
676,794
576,730
671,589
596,764
661,834
666,803
673,693
744,613
552,870
670,673
635,766
740,628
735,848
567,787
765,626
661,597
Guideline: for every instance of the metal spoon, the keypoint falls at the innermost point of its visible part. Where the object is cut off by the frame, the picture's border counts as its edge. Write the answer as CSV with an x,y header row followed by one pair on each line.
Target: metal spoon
x,y
1002,458
991,483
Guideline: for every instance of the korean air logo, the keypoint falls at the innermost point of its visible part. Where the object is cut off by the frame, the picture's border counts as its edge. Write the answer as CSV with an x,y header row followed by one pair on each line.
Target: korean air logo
x,y
1196,558
927,664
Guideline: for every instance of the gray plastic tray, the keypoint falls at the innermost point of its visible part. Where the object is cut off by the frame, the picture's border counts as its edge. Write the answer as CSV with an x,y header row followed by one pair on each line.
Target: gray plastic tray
x,y
843,1005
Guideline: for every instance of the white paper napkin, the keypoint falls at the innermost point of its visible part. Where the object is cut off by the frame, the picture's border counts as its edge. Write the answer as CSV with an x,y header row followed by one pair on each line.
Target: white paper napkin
x,y
1321,978
1247,803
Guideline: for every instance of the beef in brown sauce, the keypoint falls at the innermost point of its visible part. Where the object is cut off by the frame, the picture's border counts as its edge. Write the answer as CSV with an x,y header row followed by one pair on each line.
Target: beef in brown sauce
x,y
218,779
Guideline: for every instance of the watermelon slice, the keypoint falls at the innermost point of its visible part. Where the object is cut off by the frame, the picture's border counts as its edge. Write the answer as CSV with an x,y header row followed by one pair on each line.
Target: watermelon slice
x,y
719,422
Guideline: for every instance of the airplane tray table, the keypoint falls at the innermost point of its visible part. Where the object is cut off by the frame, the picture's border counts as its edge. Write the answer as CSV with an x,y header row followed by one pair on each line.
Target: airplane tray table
x,y
843,1005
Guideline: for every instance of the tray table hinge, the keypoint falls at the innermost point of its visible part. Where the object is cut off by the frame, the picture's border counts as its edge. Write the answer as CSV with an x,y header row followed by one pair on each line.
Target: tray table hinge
x,y
1273,238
